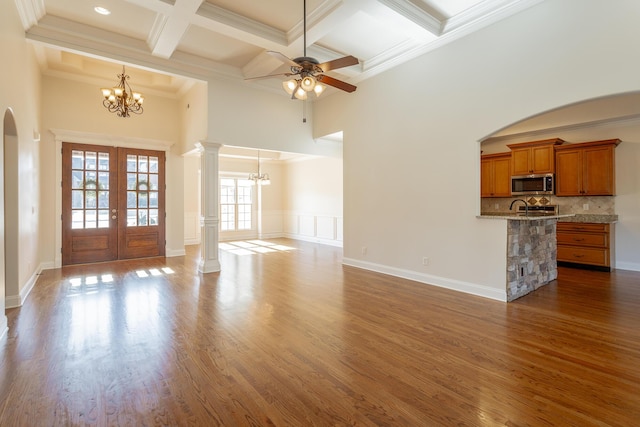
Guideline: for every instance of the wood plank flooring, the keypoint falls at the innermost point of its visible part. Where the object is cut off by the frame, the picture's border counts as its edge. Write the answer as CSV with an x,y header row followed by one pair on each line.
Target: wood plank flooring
x,y
290,337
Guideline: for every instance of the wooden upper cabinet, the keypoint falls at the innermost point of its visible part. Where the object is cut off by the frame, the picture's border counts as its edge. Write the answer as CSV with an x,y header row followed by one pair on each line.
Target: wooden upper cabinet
x,y
495,175
586,169
533,157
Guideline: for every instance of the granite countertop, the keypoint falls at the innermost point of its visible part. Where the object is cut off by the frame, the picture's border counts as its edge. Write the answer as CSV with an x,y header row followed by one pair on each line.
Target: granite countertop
x,y
595,218
601,219
515,217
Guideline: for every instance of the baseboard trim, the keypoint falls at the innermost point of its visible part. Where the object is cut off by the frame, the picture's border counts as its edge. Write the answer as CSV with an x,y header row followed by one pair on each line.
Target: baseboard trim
x,y
169,253
631,266
441,282
188,242
14,301
48,266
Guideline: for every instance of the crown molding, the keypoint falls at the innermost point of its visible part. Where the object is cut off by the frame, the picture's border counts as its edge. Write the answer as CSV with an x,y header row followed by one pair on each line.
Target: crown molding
x,y
30,11
156,29
415,14
487,13
239,23
454,30
555,130
101,44
65,135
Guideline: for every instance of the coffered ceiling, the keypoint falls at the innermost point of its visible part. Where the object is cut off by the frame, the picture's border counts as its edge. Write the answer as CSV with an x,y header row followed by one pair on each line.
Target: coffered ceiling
x,y
185,39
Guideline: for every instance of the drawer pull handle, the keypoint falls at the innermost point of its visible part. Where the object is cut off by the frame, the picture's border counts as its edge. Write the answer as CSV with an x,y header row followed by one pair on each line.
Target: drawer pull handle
x,y
578,256
578,240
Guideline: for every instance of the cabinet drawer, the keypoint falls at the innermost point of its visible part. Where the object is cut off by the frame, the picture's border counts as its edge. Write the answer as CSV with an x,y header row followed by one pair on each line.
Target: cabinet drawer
x,y
582,255
583,239
582,226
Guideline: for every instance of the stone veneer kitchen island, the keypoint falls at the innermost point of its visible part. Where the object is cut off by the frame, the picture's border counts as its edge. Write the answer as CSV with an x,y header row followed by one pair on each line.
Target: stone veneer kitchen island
x,y
531,252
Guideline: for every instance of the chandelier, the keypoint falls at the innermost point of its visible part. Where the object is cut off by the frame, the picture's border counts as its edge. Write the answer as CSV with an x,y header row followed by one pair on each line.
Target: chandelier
x,y
121,99
259,178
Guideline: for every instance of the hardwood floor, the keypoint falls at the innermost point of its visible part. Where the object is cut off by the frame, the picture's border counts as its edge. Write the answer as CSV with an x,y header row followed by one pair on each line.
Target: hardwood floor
x,y
293,338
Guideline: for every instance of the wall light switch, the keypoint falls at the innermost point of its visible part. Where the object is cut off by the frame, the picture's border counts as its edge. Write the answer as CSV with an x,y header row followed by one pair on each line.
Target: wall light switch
x,y
585,206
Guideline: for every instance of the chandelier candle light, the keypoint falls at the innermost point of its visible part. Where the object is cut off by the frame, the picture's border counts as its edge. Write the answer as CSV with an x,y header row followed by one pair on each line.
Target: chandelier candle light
x,y
259,178
121,99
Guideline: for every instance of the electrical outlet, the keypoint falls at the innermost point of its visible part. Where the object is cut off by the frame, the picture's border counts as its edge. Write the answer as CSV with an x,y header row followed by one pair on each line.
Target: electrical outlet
x,y
425,260
585,207
496,206
364,250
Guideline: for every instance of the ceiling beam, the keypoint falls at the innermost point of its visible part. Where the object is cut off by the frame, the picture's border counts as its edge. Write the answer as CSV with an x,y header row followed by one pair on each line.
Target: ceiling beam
x,y
415,14
102,44
231,24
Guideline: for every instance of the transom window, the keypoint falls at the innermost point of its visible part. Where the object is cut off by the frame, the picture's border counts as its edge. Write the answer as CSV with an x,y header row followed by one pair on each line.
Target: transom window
x,y
235,204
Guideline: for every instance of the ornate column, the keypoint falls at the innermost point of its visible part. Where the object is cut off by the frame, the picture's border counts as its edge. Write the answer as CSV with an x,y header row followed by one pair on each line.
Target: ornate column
x,y
209,217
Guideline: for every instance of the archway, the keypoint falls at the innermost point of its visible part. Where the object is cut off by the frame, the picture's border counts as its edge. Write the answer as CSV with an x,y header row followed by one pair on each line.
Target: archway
x,y
614,116
10,190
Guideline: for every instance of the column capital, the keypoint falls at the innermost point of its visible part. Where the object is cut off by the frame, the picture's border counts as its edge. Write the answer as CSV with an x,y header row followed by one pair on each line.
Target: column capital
x,y
208,146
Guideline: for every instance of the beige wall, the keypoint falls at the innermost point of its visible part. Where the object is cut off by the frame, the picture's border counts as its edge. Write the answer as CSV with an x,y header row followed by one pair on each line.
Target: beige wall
x,y
20,93
313,200
157,128
193,109
411,144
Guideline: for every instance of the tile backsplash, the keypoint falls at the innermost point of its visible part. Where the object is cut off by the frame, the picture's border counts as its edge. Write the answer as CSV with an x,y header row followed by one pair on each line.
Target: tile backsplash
x,y
597,205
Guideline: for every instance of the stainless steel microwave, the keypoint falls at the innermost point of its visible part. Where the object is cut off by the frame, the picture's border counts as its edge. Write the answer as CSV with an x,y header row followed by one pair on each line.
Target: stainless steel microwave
x,y
532,184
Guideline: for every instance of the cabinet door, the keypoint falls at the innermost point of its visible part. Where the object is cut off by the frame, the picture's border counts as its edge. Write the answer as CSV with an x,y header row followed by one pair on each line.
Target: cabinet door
x,y
542,159
520,161
569,173
502,177
486,178
598,179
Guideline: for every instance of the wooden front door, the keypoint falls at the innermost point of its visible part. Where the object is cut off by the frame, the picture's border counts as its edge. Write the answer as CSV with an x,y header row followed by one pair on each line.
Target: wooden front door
x,y
112,203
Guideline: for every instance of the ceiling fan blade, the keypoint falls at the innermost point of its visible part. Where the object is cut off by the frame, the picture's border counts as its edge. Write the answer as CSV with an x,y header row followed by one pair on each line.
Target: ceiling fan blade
x,y
283,58
328,80
338,63
268,76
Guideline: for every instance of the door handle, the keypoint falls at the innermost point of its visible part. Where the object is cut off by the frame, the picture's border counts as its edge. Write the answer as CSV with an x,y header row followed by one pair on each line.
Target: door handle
x,y
113,217
114,210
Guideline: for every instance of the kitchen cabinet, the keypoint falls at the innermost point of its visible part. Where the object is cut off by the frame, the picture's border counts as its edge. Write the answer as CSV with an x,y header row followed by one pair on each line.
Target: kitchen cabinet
x,y
584,243
495,176
586,169
533,157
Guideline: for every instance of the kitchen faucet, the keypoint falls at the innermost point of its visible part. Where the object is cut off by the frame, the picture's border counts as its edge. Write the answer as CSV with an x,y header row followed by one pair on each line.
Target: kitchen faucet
x,y
526,206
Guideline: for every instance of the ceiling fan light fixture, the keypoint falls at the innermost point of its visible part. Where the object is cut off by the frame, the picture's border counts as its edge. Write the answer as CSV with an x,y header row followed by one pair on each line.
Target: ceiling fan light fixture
x,y
308,83
308,72
289,86
301,94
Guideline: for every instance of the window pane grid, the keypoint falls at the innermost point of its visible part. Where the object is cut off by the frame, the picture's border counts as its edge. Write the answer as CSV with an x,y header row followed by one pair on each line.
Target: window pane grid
x,y
142,191
89,189
235,204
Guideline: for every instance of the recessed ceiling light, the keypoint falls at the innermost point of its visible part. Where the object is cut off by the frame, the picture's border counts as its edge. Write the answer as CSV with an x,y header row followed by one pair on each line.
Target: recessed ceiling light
x,y
102,10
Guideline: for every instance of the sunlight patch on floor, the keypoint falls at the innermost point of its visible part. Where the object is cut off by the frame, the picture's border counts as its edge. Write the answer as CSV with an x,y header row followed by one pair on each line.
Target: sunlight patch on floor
x,y
93,283
251,247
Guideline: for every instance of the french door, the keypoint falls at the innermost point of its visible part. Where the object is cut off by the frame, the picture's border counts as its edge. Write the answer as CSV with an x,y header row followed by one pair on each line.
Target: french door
x,y
113,203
